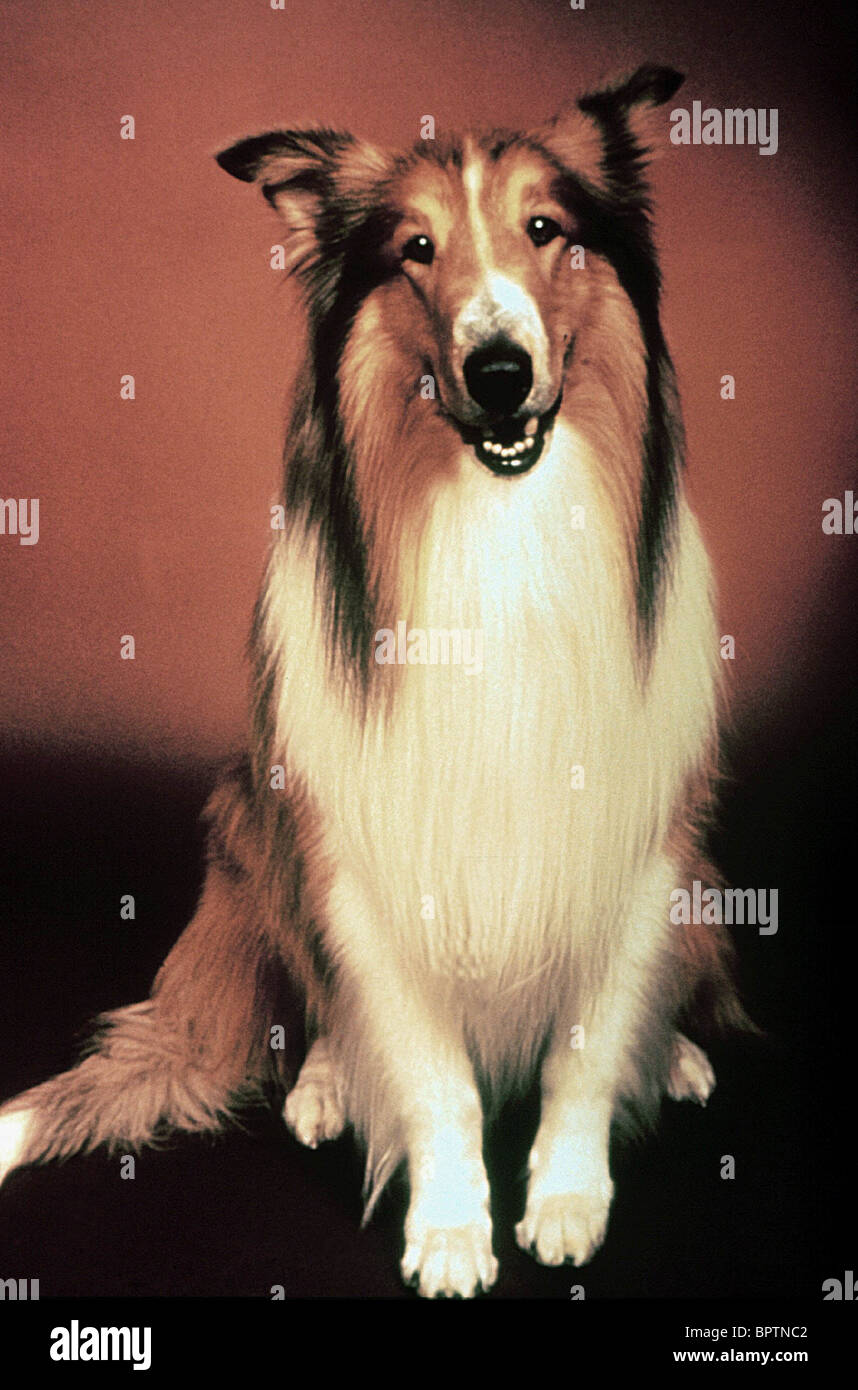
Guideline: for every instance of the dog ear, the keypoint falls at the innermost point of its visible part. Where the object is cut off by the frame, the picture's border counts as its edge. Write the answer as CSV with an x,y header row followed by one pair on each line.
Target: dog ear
x,y
307,175
649,86
608,135
626,114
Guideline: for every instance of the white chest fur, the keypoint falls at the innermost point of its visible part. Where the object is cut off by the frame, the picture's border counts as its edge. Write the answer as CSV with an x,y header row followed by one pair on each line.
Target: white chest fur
x,y
495,814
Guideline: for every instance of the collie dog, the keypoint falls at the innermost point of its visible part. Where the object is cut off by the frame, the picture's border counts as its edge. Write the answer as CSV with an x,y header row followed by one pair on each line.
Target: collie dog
x,y
486,700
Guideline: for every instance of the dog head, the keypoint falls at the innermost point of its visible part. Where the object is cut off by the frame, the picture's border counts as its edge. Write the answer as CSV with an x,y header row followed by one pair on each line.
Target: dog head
x,y
483,252
461,297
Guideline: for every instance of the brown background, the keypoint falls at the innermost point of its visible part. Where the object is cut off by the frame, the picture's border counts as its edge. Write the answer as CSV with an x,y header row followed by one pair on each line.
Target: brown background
x,y
143,257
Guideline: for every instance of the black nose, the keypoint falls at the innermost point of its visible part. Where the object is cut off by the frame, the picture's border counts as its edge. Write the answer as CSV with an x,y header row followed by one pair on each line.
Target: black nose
x,y
499,376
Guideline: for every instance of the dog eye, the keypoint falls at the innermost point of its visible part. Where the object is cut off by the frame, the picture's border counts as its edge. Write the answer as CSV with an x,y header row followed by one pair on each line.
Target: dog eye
x,y
420,249
541,230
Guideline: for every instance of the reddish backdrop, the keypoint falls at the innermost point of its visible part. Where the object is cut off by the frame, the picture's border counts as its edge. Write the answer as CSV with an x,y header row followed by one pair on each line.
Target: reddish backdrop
x,y
143,257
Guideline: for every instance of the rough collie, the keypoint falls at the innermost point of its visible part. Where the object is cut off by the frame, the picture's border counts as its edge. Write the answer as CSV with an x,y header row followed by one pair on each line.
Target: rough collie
x,y
465,864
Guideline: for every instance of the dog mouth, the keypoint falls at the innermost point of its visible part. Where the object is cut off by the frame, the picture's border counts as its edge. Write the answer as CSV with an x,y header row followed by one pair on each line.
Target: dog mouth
x,y
510,446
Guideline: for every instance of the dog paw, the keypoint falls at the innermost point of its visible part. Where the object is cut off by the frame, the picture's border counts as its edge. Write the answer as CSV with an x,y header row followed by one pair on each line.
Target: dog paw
x,y
451,1262
15,1130
691,1075
566,1226
314,1110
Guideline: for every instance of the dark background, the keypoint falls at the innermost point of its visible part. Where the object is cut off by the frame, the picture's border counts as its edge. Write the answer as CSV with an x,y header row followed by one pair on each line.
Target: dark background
x,y
142,257
235,1215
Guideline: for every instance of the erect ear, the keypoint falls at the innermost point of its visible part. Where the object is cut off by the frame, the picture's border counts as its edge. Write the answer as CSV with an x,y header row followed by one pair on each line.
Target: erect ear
x,y
307,175
609,134
649,86
626,113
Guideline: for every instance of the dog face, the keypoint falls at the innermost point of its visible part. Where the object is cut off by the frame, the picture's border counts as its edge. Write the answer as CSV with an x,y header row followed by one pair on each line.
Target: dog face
x,y
460,297
470,245
479,251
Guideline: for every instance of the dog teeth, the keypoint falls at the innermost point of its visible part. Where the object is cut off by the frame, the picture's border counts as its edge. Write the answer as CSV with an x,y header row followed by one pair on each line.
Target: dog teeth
x,y
508,451
509,457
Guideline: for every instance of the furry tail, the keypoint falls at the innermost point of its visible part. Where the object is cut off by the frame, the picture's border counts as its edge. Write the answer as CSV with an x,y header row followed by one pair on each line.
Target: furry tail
x,y
188,1056
142,1080
709,1002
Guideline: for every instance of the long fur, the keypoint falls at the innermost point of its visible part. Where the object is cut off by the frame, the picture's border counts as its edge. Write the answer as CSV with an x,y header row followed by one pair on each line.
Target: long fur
x,y
408,843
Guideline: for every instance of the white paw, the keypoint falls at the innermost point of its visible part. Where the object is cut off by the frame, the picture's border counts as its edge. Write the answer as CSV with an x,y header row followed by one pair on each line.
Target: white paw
x,y
691,1075
565,1226
15,1130
314,1110
451,1262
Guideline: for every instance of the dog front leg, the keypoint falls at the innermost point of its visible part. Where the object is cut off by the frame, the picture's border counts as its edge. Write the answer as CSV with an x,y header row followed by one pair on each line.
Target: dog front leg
x,y
570,1188
448,1234
412,1090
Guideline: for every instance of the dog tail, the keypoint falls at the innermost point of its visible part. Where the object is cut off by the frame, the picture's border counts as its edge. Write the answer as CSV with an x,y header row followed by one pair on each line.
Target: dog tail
x,y
710,1003
189,1056
713,1007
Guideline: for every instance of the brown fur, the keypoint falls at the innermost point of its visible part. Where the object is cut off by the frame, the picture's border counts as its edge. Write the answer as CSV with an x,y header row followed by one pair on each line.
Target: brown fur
x,y
200,1046
702,974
